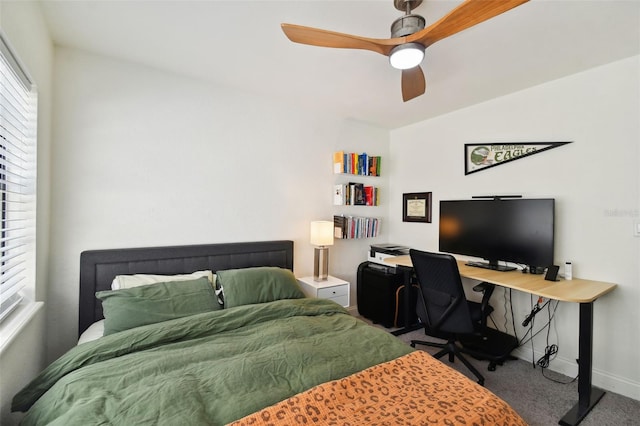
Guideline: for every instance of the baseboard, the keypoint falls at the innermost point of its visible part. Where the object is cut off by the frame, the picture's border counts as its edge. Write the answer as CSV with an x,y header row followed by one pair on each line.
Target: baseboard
x,y
568,367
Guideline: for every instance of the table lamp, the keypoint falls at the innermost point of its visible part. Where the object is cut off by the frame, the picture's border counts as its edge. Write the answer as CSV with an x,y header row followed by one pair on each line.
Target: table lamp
x,y
321,236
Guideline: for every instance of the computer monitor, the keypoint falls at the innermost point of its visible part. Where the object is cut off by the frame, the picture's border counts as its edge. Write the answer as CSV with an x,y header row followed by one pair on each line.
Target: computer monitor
x,y
519,231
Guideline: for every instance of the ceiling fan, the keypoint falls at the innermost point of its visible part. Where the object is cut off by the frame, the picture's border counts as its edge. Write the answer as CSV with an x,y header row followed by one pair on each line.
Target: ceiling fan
x,y
409,37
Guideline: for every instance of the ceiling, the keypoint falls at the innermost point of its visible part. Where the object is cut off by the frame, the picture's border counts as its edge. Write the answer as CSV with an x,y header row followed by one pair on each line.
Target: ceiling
x,y
239,44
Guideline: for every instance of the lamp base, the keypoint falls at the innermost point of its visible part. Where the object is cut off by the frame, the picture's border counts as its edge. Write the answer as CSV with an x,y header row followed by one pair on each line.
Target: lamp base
x,y
321,264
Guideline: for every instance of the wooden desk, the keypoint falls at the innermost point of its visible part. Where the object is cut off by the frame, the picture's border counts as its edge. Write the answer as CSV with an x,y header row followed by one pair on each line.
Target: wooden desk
x,y
576,290
581,291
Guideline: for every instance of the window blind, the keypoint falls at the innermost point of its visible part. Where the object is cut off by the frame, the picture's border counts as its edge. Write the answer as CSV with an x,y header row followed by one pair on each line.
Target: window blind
x,y
18,110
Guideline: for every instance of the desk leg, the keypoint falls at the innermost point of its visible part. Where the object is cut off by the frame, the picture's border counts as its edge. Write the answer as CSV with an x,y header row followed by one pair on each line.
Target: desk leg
x,y
406,273
588,396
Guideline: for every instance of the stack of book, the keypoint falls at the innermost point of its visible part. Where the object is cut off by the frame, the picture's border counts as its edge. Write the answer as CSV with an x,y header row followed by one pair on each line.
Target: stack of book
x,y
356,164
349,227
355,194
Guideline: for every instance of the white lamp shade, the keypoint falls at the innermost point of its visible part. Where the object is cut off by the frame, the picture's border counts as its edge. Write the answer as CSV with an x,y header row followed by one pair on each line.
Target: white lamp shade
x,y
321,233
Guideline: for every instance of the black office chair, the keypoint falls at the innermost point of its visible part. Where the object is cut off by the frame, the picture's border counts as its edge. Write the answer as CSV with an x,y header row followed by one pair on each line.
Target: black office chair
x,y
443,308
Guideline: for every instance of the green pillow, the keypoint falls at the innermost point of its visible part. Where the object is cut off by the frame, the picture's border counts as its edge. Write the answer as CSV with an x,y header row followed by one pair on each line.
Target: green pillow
x,y
149,304
257,285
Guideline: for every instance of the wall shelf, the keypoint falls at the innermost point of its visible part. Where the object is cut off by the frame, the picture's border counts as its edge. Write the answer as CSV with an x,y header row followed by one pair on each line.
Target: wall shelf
x,y
352,163
347,194
353,227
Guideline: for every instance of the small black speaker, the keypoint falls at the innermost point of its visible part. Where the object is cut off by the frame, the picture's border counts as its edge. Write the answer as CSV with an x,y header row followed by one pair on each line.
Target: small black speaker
x,y
552,273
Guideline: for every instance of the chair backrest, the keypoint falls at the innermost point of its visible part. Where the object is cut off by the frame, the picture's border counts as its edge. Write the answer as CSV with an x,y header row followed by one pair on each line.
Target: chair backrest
x,y
444,305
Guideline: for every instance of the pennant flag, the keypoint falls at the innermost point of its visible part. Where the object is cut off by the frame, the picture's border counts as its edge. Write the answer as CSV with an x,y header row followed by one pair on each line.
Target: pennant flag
x,y
481,156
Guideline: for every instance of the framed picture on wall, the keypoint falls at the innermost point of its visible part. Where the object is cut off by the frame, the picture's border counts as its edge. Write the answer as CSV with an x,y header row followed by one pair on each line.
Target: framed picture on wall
x,y
416,207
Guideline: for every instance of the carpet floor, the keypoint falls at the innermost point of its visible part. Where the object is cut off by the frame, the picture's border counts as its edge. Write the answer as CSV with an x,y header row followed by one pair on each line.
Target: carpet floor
x,y
538,399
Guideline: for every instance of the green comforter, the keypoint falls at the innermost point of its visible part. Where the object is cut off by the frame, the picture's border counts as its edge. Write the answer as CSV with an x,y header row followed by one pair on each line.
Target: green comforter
x,y
206,369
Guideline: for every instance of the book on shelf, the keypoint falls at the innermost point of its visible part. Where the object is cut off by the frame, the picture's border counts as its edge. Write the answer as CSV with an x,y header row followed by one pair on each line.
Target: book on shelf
x,y
351,227
374,166
356,164
338,227
371,196
338,162
339,195
355,194
358,194
363,161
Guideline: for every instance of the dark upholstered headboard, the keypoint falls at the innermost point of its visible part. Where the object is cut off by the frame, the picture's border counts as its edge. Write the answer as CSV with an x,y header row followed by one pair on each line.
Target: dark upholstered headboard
x,y
98,268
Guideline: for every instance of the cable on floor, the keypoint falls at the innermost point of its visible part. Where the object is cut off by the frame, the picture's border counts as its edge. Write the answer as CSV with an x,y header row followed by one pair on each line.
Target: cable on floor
x,y
549,352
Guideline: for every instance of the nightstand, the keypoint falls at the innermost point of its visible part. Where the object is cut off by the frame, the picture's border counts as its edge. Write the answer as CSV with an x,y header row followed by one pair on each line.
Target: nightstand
x,y
333,288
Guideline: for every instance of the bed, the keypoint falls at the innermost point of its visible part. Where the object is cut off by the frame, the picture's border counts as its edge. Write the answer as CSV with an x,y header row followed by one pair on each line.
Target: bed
x,y
240,346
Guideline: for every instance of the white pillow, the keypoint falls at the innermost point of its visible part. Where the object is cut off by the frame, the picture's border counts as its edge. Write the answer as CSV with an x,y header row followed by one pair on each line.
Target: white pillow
x,y
94,332
128,281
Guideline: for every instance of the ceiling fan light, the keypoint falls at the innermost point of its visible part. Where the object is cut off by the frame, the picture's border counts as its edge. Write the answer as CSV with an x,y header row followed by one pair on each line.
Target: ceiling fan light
x,y
405,56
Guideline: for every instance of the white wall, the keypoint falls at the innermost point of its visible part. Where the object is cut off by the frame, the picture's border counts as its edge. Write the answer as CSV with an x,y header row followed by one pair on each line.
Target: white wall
x,y
595,181
24,357
145,158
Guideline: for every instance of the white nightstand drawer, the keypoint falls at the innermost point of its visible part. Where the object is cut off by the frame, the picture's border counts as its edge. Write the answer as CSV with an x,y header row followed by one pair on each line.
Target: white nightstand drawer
x,y
333,292
333,288
341,300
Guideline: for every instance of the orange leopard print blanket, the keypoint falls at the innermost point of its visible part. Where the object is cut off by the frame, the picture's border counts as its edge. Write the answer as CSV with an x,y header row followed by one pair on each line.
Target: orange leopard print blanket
x,y
415,389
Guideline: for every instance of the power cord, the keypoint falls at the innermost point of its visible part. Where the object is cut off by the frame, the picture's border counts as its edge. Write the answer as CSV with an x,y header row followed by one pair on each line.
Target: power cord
x,y
505,316
543,362
524,339
533,313
550,351
530,320
559,381
513,318
505,324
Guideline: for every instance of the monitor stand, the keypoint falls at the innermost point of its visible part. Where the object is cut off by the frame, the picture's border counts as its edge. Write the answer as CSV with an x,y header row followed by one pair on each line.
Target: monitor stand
x,y
493,266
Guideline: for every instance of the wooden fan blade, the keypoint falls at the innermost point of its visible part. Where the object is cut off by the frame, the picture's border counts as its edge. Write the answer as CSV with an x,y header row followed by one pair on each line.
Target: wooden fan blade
x,y
413,83
324,38
468,14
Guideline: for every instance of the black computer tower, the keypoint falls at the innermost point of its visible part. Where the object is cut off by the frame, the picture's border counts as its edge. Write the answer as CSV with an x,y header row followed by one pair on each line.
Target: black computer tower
x,y
381,297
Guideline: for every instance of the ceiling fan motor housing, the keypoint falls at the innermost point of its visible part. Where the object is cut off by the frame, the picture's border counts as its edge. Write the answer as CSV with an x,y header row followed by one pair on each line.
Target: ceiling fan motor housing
x,y
407,25
406,5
